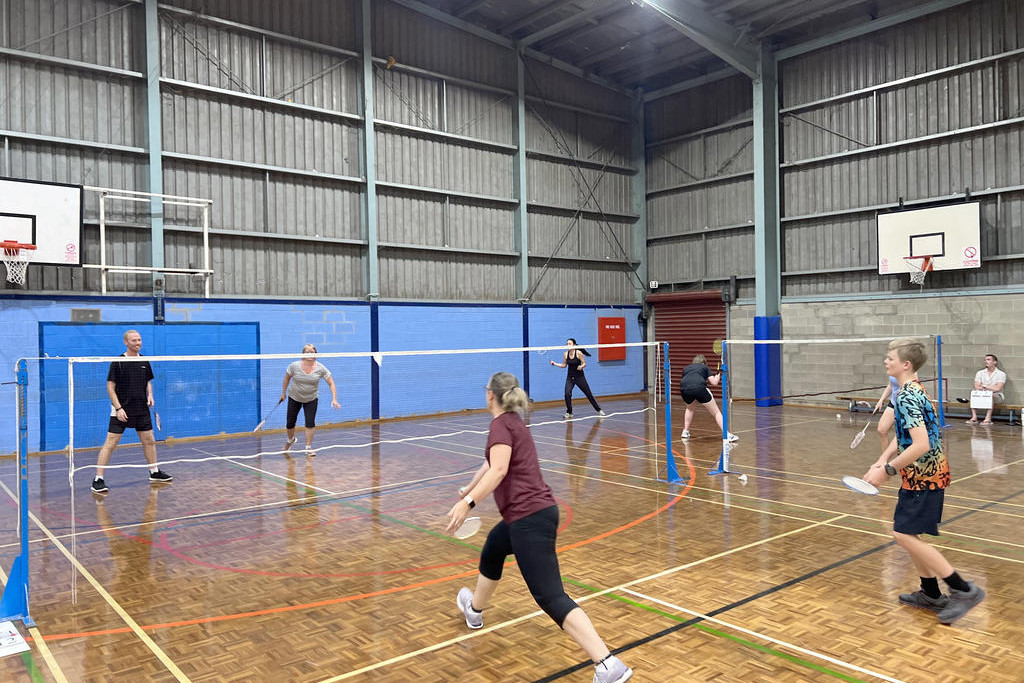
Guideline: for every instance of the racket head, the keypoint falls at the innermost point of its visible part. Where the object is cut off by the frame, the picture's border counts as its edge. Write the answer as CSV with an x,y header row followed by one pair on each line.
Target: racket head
x,y
857,439
159,428
859,485
468,528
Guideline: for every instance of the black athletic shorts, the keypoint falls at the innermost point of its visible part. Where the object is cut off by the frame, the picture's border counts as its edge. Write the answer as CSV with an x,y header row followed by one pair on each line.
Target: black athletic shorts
x,y
699,394
140,423
918,512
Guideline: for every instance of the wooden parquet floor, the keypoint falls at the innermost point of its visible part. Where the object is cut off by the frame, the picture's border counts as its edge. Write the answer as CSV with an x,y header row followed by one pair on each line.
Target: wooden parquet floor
x,y
336,568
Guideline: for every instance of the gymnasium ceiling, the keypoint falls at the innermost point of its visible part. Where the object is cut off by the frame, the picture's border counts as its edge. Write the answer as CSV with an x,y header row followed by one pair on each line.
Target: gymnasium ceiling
x,y
652,44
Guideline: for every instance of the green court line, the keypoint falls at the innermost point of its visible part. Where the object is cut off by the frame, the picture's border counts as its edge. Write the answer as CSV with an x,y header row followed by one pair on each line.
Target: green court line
x,y
33,670
713,631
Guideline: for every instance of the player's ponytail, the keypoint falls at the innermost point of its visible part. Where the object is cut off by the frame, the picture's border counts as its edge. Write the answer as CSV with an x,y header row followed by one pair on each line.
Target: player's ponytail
x,y
506,389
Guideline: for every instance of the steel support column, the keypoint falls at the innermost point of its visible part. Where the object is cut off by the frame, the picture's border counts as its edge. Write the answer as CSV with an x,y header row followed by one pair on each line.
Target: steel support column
x,y
767,266
522,224
154,137
369,169
639,197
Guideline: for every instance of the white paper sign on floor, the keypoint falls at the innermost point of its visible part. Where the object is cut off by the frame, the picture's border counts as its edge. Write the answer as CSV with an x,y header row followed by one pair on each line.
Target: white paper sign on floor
x,y
11,641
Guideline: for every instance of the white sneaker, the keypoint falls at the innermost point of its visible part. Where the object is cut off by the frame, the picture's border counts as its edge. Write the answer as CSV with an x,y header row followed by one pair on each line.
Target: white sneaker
x,y
686,434
601,413
612,670
567,416
733,437
291,441
474,619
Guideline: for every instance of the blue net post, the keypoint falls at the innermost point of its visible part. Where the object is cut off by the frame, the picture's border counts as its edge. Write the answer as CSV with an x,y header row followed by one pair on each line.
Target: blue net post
x,y
938,362
671,472
723,460
14,601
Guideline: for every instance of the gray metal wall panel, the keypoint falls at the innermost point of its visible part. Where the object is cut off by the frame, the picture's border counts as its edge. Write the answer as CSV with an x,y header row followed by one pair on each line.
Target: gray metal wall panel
x,y
331,22
581,283
238,195
218,128
584,237
402,97
700,158
481,227
314,78
246,266
69,103
311,144
555,85
724,101
406,274
440,164
209,55
312,208
562,184
419,41
93,31
481,114
407,218
834,243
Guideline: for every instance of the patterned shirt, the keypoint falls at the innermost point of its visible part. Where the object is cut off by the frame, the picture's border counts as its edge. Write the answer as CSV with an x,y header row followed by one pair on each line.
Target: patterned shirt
x,y
914,409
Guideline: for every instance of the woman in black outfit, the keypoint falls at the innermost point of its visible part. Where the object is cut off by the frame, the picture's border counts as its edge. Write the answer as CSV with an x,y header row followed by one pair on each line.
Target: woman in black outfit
x,y
574,359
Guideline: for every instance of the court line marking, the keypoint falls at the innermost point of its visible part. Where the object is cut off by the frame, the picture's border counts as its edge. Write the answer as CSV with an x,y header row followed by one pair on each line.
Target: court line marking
x,y
621,587
44,650
108,598
799,506
756,634
37,637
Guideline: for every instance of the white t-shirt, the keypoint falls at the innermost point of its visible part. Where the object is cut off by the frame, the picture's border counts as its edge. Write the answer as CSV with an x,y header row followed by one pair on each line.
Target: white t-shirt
x,y
987,380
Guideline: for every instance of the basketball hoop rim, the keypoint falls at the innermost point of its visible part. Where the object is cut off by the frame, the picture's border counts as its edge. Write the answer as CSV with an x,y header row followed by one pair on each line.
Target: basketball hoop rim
x,y
12,246
927,262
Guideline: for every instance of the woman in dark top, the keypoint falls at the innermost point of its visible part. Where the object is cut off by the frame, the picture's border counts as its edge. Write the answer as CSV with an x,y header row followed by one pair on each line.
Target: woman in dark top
x,y
694,387
528,526
575,360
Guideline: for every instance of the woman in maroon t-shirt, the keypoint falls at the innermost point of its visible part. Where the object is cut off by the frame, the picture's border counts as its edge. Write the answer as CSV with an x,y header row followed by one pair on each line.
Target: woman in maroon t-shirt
x,y
528,526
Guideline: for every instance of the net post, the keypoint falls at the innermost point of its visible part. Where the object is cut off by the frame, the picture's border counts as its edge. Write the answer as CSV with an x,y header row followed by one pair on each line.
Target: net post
x,y
671,472
938,362
14,599
722,467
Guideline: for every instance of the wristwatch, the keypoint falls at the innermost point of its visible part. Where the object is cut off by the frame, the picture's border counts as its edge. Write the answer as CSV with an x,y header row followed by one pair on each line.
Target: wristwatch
x,y
470,502
890,470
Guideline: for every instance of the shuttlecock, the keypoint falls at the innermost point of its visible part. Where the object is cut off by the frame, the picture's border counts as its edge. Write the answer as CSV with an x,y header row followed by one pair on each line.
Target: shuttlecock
x,y
742,479
839,416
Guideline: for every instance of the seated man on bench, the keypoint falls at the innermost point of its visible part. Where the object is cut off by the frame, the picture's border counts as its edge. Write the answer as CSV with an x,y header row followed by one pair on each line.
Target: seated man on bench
x,y
991,379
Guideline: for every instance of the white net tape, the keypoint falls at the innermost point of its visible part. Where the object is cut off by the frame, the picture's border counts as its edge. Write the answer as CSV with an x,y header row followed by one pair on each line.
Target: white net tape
x,y
16,261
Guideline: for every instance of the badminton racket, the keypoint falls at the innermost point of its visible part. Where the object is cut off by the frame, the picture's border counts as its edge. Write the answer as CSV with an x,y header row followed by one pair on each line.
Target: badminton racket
x,y
264,420
860,435
159,428
859,485
468,528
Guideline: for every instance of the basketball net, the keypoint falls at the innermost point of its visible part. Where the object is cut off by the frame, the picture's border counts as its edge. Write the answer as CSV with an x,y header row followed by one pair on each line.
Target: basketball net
x,y
16,260
918,272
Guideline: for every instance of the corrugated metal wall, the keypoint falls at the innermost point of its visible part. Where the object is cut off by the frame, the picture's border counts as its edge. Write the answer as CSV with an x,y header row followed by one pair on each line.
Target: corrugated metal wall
x,y
700,194
261,111
919,112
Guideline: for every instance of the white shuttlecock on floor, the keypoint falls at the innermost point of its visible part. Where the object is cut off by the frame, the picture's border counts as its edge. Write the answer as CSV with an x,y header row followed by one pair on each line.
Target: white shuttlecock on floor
x,y
839,416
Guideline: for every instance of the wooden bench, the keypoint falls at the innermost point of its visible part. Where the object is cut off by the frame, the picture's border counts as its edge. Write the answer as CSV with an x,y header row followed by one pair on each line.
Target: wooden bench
x,y
856,404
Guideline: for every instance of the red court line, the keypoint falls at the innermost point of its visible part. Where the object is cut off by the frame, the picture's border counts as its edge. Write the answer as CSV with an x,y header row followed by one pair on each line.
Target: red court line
x,y
385,591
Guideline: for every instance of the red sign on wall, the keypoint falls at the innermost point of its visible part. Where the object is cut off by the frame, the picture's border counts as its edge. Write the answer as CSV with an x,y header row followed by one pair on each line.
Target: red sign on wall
x,y
611,331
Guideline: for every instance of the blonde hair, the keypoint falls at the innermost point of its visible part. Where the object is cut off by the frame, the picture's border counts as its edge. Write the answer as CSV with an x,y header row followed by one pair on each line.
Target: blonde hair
x,y
507,392
908,349
699,358
308,346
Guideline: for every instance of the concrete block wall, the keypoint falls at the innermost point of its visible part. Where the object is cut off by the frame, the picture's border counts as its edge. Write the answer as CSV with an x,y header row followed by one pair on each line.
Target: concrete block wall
x,y
970,326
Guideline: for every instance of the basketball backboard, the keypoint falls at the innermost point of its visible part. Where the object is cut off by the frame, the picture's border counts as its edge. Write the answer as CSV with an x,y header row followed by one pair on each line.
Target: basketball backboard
x,y
950,234
48,215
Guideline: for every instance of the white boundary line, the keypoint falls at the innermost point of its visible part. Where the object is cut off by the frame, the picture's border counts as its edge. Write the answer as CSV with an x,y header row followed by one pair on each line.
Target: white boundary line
x,y
775,641
108,598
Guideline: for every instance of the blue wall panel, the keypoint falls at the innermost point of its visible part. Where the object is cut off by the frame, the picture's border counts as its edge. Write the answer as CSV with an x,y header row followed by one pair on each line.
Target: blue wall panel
x,y
193,399
551,326
420,385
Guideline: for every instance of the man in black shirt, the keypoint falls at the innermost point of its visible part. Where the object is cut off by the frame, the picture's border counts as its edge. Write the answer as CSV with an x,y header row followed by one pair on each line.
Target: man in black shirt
x,y
130,387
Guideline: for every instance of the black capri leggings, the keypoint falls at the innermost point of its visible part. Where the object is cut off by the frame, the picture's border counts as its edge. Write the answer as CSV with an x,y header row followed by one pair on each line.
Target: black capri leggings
x,y
579,380
308,411
532,540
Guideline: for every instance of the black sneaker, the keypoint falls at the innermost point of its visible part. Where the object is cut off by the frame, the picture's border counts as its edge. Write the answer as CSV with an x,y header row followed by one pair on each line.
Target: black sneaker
x,y
960,602
922,600
99,486
159,477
